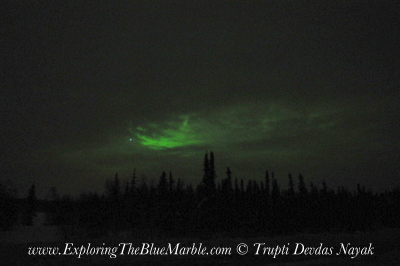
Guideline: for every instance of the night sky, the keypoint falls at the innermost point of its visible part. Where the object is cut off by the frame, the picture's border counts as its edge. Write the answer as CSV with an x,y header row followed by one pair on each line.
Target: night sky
x,y
91,88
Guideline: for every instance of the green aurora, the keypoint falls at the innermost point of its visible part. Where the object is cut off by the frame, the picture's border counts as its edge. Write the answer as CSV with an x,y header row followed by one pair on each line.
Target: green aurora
x,y
231,126
178,134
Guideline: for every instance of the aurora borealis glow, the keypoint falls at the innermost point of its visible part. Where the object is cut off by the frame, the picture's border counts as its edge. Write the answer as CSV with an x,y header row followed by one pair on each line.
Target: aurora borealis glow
x,y
214,129
91,90
180,135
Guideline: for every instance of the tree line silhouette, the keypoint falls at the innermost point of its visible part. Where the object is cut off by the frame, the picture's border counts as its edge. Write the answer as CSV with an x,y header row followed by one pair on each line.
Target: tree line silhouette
x,y
231,207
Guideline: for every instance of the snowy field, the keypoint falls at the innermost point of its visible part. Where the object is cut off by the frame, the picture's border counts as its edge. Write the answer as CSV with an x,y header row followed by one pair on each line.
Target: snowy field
x,y
14,245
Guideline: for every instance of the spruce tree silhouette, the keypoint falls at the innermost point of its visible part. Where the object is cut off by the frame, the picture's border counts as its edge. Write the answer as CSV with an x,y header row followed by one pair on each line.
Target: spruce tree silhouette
x,y
207,195
267,186
116,206
226,188
259,208
208,188
212,174
302,186
30,206
290,210
291,186
162,186
163,204
276,203
266,205
171,183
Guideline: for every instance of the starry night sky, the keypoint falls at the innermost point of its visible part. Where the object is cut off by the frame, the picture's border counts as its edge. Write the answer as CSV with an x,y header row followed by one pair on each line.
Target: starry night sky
x,y
91,88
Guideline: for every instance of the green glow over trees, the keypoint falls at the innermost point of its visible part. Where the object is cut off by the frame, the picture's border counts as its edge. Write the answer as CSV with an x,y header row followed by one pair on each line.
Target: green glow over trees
x,y
179,135
229,126
162,142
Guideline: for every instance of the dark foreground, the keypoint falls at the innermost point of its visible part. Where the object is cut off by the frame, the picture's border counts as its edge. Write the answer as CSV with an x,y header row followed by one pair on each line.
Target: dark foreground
x,y
385,242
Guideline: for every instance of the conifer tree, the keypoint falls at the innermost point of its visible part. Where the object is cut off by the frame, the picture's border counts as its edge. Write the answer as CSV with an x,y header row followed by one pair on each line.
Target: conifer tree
x,y
267,185
249,188
30,206
276,206
116,188
291,186
179,186
133,182
171,183
163,184
256,188
302,186
213,175
127,190
227,183
242,187
275,188
206,169
237,190
207,187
